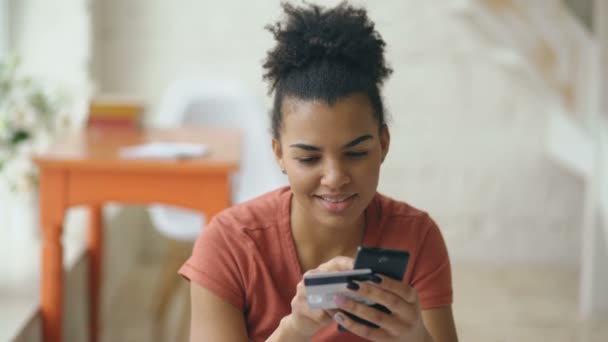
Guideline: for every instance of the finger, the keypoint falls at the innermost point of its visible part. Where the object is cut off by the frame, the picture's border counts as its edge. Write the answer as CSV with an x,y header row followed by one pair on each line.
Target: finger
x,y
339,263
300,307
311,271
331,313
300,288
390,323
301,304
378,294
397,287
364,331
321,317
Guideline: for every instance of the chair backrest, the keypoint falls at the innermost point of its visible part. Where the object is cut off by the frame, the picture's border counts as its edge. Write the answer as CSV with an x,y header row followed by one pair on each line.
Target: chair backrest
x,y
227,103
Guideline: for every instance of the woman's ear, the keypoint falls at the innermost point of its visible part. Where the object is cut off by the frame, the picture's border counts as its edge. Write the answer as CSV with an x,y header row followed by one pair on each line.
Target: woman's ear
x,y
385,141
278,153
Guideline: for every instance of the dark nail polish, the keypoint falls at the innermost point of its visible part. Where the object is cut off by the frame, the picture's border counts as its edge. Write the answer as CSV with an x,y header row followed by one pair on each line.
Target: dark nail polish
x,y
352,286
341,328
376,279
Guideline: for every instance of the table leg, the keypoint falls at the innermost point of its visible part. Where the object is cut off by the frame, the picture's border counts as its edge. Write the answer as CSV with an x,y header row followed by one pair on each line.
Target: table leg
x,y
95,243
52,283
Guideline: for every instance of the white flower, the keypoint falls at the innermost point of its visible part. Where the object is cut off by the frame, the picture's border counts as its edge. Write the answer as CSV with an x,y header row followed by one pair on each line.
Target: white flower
x,y
31,114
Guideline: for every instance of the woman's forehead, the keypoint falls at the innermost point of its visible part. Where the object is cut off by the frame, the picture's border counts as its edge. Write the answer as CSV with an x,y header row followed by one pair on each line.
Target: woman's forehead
x,y
318,123
291,103
349,112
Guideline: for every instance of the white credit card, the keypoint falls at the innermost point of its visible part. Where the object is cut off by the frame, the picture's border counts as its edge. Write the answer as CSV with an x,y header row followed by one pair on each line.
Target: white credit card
x,y
322,288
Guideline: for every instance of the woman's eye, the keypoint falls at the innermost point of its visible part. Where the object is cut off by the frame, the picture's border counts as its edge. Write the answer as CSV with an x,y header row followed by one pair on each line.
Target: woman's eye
x,y
308,160
356,154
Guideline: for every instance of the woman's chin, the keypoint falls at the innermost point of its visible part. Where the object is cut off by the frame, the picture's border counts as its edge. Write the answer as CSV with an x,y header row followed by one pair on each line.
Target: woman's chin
x,y
338,221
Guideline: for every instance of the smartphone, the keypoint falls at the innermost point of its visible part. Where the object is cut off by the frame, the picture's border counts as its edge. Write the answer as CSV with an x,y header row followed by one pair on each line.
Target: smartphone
x,y
388,262
322,288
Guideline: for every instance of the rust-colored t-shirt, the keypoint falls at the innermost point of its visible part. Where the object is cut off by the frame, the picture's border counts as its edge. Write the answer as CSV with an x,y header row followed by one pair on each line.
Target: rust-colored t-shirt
x,y
246,255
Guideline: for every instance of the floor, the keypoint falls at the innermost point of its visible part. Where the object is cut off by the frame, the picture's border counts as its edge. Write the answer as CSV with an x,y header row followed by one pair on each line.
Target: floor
x,y
134,320
491,305
515,304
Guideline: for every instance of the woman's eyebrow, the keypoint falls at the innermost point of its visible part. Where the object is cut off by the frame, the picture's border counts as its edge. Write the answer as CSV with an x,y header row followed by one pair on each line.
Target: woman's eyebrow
x,y
306,147
348,145
358,140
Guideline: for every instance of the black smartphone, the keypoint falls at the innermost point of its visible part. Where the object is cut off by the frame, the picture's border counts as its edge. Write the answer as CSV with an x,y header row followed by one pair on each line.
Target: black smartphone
x,y
389,262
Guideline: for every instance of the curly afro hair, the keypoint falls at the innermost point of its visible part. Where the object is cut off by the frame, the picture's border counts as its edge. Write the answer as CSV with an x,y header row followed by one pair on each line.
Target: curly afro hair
x,y
325,54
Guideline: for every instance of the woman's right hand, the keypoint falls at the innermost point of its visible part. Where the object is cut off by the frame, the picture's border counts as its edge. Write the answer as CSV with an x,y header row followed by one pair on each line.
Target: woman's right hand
x,y
305,321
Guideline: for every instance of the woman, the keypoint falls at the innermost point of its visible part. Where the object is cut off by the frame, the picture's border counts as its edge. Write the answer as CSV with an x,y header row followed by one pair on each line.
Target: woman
x,y
330,138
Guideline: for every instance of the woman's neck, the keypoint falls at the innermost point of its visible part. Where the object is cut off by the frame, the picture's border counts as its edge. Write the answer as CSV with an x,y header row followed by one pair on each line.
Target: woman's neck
x,y
316,243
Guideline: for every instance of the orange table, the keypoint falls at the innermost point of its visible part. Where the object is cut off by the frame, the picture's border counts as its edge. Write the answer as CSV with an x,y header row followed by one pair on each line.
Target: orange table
x,y
85,169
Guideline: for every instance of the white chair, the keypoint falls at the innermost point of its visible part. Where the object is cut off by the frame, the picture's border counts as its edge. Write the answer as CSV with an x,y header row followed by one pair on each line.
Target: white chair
x,y
214,103
218,103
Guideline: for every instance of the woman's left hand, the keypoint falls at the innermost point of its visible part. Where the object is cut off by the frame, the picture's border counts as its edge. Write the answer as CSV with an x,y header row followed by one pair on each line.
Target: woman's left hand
x,y
404,324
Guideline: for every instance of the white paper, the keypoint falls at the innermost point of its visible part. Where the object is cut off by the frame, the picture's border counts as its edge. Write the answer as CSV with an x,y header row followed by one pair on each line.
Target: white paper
x,y
165,150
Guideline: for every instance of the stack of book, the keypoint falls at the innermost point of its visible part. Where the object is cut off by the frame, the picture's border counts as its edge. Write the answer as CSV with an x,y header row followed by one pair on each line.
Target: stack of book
x,y
114,112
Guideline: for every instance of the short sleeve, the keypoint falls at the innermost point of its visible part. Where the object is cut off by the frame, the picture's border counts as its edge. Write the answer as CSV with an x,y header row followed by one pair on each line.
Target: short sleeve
x,y
217,262
432,277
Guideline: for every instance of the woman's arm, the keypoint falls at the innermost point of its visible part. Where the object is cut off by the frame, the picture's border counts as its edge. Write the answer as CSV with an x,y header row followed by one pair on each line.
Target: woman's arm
x,y
439,322
214,319
286,332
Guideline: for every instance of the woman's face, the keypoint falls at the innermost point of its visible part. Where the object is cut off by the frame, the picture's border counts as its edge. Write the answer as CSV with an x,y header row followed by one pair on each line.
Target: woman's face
x,y
332,156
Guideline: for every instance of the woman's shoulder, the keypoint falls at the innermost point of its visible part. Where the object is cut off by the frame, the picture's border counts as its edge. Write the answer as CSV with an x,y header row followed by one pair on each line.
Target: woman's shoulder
x,y
390,207
400,217
404,226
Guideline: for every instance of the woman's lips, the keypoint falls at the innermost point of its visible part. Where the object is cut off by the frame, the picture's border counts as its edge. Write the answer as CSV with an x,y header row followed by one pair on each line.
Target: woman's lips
x,y
336,204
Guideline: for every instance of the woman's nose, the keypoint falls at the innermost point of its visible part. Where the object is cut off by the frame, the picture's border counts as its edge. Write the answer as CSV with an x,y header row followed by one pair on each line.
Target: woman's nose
x,y
335,176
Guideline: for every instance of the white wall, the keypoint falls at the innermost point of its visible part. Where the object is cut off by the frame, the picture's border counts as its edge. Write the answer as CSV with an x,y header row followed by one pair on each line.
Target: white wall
x,y
53,38
467,135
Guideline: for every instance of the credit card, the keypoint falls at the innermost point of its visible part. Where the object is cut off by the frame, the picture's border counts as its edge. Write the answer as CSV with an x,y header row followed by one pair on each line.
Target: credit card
x,y
322,288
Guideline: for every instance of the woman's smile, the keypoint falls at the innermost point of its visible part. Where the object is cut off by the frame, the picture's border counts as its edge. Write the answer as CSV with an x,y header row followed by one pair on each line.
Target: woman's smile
x,y
335,203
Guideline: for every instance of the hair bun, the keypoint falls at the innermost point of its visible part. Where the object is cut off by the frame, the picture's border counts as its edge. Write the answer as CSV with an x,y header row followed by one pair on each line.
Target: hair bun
x,y
321,42
312,34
